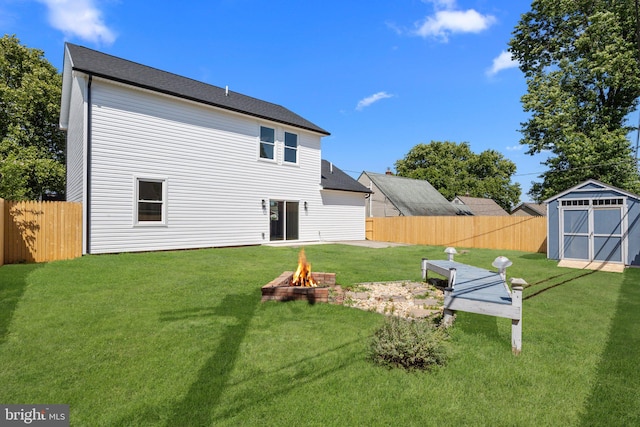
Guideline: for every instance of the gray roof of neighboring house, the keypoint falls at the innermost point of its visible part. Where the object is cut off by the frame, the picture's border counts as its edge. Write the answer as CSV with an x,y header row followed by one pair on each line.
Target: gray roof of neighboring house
x,y
121,70
539,209
481,206
335,179
412,197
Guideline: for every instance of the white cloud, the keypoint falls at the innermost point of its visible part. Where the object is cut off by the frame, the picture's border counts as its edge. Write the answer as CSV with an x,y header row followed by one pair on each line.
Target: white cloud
x,y
79,18
503,61
449,19
446,22
372,99
515,148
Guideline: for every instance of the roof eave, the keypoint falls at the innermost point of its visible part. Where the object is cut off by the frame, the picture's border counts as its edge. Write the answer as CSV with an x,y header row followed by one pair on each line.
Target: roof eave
x,y
367,191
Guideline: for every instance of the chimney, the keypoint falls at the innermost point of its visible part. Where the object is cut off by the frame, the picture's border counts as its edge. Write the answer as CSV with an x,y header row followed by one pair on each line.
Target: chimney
x,y
388,172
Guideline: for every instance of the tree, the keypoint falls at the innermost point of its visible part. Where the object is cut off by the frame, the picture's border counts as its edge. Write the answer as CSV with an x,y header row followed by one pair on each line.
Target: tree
x,y
454,170
581,62
32,148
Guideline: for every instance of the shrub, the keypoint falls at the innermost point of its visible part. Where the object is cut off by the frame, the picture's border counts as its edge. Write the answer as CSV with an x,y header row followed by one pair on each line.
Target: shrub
x,y
409,344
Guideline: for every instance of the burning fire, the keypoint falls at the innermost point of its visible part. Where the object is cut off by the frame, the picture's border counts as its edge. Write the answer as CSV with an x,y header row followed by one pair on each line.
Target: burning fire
x,y
302,276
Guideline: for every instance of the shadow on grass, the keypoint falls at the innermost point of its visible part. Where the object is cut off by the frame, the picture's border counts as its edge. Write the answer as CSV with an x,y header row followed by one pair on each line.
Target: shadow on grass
x,y
13,282
279,389
478,324
198,404
564,282
614,396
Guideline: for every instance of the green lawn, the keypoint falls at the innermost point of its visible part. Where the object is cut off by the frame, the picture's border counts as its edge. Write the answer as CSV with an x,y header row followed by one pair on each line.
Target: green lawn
x,y
182,339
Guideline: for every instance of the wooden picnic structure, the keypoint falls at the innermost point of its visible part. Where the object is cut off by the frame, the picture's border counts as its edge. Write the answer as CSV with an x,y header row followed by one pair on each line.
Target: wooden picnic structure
x,y
476,290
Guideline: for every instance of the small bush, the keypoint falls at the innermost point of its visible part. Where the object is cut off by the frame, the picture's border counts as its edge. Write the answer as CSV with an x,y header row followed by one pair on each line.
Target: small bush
x,y
409,344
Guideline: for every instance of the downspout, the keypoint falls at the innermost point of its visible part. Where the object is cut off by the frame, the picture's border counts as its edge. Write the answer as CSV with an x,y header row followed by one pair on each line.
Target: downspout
x,y
371,199
88,201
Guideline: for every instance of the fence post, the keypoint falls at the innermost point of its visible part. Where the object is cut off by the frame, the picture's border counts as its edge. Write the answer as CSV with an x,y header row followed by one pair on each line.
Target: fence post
x,y
517,286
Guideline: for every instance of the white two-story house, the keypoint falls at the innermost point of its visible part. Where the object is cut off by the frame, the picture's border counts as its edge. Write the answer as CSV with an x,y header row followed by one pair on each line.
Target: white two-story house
x,y
160,161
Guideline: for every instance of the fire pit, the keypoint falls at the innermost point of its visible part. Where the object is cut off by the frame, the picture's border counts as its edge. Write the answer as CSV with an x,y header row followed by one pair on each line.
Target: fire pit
x,y
300,285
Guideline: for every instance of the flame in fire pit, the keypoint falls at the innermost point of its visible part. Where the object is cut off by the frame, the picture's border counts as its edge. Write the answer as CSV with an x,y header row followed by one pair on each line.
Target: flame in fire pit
x,y
302,276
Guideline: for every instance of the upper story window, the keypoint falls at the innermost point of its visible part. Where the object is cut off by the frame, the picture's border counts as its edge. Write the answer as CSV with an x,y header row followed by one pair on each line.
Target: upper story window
x,y
267,143
150,201
290,147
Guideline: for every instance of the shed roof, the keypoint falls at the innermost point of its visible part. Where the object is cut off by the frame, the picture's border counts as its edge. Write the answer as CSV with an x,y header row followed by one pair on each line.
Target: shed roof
x,y
481,206
590,185
333,178
412,197
109,67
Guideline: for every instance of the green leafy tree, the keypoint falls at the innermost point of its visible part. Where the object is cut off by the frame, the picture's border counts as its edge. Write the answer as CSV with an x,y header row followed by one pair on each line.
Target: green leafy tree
x,y
580,59
454,170
32,148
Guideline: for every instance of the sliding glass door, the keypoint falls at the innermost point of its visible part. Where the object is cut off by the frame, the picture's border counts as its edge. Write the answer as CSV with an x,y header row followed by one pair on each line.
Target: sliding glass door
x,y
283,220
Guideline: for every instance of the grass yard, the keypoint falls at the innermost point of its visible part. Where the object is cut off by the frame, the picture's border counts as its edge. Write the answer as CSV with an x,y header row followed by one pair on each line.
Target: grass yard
x,y
181,339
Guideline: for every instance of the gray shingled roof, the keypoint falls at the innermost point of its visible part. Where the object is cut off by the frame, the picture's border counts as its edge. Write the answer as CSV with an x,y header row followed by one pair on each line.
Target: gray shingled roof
x,y
335,179
539,209
481,206
117,69
412,197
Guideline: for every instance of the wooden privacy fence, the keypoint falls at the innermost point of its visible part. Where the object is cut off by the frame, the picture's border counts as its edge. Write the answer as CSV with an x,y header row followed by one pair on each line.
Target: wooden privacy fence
x,y
41,231
528,234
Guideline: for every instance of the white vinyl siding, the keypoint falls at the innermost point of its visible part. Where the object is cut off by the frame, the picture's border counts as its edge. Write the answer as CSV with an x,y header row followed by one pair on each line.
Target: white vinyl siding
x,y
76,142
208,155
342,216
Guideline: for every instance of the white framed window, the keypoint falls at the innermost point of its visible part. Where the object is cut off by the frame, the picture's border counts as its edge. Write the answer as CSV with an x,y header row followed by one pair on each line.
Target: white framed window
x,y
267,143
151,201
290,147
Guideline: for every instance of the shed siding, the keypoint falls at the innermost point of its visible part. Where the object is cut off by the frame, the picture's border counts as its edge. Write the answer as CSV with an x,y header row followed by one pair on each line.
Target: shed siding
x,y
634,231
210,161
553,231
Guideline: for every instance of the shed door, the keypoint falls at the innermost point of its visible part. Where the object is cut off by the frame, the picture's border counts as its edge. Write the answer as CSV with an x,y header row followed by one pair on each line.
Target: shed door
x,y
593,234
575,236
607,234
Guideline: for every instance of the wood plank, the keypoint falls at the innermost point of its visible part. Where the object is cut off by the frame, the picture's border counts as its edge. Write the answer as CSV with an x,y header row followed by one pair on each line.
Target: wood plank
x,y
476,290
522,233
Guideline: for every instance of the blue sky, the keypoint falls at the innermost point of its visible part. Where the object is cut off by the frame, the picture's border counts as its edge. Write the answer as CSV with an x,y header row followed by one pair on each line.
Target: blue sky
x,y
381,76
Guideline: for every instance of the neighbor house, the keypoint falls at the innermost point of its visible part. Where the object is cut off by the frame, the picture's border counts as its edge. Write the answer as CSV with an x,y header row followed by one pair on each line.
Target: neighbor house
x,y
161,161
593,222
398,196
478,206
530,209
